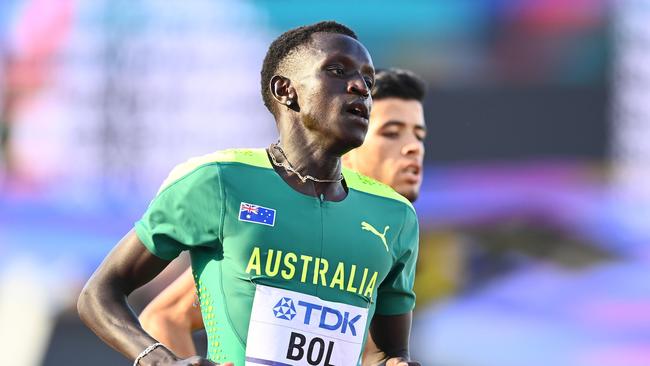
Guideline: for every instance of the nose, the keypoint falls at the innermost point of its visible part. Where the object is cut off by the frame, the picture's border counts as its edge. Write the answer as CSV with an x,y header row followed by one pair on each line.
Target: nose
x,y
413,148
357,85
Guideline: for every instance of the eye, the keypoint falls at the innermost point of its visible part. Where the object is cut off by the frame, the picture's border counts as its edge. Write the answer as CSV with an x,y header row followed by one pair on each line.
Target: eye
x,y
336,70
390,134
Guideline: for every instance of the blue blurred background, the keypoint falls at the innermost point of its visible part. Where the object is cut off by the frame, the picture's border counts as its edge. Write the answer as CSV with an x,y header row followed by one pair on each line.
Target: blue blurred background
x,y
535,209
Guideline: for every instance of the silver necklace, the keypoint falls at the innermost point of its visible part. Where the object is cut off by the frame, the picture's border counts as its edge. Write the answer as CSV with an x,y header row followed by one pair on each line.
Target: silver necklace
x,y
288,167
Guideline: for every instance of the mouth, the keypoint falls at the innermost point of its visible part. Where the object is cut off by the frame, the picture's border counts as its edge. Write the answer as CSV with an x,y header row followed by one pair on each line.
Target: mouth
x,y
358,109
412,172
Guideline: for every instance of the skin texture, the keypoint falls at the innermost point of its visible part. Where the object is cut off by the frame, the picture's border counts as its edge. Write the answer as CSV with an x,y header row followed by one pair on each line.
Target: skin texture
x,y
316,127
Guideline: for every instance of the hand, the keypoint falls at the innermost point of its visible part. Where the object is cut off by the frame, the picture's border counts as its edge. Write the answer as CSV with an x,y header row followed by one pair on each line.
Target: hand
x,y
399,361
199,361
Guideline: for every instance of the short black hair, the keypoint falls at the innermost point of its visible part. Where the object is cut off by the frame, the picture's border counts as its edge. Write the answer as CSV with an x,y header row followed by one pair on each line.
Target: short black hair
x,y
286,43
398,83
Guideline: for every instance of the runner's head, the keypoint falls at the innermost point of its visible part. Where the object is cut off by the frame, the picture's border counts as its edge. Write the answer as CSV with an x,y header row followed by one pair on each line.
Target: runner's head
x,y
316,82
393,149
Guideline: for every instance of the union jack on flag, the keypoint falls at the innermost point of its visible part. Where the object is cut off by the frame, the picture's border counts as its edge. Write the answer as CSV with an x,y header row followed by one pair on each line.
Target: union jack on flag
x,y
248,207
256,214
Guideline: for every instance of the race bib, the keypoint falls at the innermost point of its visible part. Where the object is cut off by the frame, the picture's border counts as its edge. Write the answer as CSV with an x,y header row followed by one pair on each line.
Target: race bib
x,y
288,328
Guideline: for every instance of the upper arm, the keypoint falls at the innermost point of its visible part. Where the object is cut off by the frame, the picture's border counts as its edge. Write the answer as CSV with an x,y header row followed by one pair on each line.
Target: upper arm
x,y
128,266
180,217
102,304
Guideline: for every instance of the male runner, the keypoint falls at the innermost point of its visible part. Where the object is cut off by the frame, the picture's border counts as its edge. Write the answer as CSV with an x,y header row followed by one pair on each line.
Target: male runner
x,y
291,255
391,153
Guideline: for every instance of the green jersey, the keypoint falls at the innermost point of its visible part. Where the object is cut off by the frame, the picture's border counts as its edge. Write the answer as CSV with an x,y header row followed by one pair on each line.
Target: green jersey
x,y
251,237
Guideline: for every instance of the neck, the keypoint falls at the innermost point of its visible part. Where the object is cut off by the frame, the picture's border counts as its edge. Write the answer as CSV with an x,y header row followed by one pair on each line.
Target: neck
x,y
309,156
308,163
308,153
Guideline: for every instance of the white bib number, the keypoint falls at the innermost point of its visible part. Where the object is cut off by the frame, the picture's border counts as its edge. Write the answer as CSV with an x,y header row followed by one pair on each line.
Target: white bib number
x,y
288,328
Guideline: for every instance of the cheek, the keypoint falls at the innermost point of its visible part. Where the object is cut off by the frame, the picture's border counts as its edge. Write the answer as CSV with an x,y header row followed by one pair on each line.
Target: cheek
x,y
388,150
312,102
311,95
314,110
390,160
373,149
382,159
391,170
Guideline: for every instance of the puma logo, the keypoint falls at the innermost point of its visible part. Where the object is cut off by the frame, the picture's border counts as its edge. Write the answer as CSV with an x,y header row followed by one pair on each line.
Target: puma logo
x,y
368,227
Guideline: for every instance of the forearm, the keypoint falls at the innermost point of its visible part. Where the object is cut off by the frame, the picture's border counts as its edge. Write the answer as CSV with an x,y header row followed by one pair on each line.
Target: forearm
x,y
103,305
110,317
388,340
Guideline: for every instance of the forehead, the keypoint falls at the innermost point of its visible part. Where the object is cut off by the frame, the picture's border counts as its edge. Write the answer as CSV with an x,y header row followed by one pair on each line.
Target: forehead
x,y
325,45
409,112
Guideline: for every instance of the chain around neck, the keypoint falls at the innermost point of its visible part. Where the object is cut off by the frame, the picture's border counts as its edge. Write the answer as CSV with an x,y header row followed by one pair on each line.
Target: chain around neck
x,y
288,167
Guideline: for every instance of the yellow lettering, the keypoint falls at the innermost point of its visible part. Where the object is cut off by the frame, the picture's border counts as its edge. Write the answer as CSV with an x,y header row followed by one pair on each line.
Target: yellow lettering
x,y
286,266
325,266
339,276
288,258
305,263
371,286
363,280
254,262
351,279
316,264
272,272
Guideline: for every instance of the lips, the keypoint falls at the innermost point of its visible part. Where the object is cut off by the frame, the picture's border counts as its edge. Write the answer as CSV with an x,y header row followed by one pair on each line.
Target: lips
x,y
358,109
412,172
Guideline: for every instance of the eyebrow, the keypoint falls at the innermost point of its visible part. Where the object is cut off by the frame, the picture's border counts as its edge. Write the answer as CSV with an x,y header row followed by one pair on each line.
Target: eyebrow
x,y
401,124
366,68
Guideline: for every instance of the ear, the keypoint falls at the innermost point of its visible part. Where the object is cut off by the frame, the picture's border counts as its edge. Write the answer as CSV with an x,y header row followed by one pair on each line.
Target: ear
x,y
283,92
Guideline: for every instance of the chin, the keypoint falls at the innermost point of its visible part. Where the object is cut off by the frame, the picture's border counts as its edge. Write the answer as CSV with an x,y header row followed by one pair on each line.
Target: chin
x,y
351,142
358,141
355,135
410,194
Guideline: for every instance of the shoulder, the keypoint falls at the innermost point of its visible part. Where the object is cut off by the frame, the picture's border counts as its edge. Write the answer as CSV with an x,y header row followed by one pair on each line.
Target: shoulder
x,y
200,166
252,157
365,184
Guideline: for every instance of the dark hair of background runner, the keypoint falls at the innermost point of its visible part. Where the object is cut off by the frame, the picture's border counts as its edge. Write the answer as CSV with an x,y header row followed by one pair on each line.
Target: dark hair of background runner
x,y
398,83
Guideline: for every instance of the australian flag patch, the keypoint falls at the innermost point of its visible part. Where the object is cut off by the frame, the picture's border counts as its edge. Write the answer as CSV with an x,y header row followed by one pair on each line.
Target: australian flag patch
x,y
256,214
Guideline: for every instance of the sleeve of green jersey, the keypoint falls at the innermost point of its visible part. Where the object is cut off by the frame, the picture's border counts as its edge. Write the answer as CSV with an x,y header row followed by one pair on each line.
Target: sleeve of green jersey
x,y
395,294
186,213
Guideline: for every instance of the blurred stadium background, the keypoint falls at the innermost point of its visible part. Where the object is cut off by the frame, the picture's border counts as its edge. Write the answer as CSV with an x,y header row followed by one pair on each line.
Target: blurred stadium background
x,y
535,209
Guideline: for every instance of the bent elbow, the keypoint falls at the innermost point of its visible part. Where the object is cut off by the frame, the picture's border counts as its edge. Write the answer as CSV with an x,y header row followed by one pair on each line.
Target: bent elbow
x,y
83,305
87,304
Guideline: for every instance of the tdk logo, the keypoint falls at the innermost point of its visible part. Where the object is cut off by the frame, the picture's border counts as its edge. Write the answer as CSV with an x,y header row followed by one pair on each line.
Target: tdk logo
x,y
284,309
329,319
